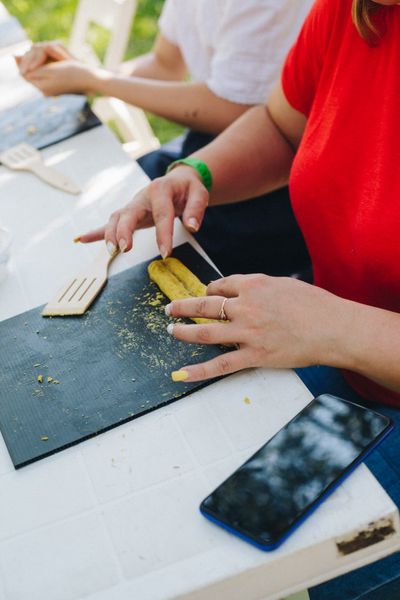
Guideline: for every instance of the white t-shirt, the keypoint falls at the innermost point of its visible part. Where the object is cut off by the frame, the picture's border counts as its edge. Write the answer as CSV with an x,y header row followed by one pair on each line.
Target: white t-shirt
x,y
237,47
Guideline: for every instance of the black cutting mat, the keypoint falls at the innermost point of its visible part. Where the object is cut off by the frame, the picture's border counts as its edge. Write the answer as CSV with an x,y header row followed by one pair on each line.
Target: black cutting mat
x,y
42,121
113,364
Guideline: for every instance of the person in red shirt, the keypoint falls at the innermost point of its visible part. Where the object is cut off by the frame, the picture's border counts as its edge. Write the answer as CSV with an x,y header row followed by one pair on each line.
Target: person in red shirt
x,y
331,128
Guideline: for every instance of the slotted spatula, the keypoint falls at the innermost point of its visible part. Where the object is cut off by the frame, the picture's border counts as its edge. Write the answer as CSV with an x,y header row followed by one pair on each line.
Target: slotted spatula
x,y
78,294
24,157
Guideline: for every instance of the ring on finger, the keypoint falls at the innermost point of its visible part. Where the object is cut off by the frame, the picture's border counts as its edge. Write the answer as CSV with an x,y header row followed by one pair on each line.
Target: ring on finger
x,y
222,314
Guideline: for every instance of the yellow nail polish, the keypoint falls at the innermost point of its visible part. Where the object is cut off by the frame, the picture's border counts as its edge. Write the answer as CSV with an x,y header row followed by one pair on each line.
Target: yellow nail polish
x,y
77,239
179,375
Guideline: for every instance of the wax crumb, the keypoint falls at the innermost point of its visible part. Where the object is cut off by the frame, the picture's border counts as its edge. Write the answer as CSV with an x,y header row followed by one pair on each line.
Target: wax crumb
x,y
44,438
40,378
247,400
36,365
56,381
49,379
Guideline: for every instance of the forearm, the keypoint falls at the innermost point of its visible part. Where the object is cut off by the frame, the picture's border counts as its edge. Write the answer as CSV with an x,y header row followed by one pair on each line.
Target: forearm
x,y
243,169
148,67
367,341
193,105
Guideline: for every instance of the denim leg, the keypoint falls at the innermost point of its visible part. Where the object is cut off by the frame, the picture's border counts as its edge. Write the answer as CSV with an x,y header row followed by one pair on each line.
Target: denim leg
x,y
155,163
380,580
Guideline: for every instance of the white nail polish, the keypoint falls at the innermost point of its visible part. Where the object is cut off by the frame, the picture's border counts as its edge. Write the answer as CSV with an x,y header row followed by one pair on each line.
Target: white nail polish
x,y
168,310
163,252
170,328
111,248
122,245
193,224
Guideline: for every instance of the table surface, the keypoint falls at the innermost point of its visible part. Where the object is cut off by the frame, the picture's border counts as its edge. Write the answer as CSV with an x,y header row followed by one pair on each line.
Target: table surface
x,y
116,516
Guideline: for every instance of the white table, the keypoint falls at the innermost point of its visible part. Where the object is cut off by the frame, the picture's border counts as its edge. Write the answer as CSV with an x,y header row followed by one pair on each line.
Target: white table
x,y
117,517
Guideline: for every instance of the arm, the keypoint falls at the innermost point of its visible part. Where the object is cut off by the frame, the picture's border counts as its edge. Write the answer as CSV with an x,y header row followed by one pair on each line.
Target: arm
x,y
156,84
285,323
165,63
191,104
252,156
255,154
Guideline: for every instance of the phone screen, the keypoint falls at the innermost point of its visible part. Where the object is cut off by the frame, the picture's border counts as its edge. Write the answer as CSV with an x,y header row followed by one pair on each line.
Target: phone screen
x,y
272,492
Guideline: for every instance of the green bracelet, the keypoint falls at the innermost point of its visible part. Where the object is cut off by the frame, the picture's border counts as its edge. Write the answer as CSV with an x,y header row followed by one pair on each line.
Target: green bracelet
x,y
199,166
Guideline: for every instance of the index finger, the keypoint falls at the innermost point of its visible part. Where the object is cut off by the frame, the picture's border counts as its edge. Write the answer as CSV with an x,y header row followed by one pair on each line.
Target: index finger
x,y
91,236
163,215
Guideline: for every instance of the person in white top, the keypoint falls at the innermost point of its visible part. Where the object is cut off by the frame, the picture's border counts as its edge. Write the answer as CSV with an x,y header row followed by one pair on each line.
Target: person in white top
x,y
232,51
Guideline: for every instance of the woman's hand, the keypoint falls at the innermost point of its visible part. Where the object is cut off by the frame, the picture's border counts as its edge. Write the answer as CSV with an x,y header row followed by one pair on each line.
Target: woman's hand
x,y
275,321
63,77
178,194
41,54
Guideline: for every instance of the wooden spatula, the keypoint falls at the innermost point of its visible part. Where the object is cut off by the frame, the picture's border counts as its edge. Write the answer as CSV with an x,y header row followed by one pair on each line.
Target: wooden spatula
x,y
78,294
24,157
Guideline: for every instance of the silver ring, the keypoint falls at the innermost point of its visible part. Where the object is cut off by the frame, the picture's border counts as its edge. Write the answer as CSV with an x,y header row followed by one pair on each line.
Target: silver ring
x,y
222,314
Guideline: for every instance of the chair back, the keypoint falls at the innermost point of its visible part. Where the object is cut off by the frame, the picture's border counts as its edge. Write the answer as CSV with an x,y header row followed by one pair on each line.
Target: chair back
x,y
114,15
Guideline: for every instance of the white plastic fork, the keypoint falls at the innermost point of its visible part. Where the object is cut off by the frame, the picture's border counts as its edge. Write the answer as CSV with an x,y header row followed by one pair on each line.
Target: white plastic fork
x,y
80,291
24,157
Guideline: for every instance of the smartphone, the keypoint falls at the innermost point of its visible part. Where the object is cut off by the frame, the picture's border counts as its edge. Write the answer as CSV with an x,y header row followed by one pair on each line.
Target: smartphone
x,y
268,497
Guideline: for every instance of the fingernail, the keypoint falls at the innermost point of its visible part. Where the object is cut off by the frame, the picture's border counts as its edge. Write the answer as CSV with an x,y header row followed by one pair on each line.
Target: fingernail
x,y
168,310
122,245
111,248
77,239
170,328
179,375
163,252
193,224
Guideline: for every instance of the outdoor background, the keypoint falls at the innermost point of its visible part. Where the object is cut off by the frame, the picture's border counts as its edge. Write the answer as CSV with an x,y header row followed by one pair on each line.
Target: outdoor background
x,y
52,19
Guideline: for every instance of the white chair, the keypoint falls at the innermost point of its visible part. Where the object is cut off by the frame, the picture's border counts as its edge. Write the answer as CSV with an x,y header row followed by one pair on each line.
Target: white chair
x,y
116,16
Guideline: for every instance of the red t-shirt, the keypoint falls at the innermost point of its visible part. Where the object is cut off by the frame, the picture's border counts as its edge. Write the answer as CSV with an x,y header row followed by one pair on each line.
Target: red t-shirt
x,y
345,179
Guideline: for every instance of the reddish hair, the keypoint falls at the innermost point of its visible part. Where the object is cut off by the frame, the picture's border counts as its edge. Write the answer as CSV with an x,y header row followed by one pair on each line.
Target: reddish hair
x,y
362,11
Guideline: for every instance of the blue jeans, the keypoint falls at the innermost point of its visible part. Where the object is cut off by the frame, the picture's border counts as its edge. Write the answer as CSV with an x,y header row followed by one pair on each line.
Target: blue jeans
x,y
260,235
381,580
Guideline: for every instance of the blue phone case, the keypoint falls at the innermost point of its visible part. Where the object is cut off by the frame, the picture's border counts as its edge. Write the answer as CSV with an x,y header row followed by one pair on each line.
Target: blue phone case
x,y
309,510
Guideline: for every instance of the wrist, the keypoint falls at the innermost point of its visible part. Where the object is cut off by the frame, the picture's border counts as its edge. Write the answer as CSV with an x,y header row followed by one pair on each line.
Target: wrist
x,y
201,169
100,81
189,172
346,335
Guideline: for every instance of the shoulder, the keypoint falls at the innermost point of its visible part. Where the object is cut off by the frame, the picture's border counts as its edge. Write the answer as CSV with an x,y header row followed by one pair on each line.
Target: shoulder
x,y
329,12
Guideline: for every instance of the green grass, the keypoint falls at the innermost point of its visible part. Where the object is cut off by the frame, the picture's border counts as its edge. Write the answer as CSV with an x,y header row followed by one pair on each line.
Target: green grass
x,y
52,19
